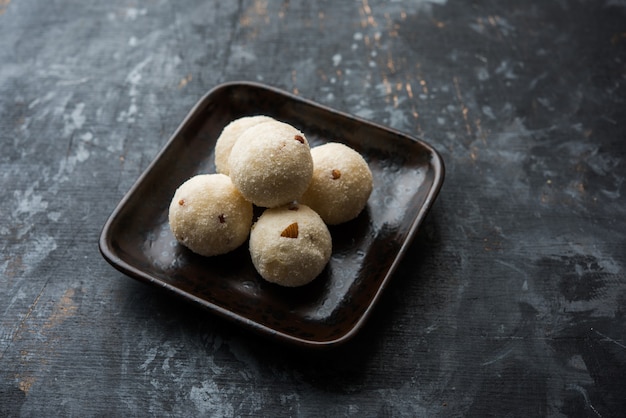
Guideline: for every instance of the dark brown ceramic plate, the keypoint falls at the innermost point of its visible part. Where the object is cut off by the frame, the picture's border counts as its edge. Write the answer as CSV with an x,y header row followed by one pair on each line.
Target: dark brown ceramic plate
x,y
408,174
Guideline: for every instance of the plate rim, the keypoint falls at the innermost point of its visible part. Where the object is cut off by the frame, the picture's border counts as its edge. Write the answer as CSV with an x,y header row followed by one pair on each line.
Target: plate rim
x,y
105,240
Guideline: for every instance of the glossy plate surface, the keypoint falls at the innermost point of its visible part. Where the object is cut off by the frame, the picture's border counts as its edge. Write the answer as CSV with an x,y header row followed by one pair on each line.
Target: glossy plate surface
x,y
408,174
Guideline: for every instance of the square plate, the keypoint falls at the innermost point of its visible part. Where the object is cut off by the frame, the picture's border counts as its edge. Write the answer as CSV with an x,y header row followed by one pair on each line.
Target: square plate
x,y
408,175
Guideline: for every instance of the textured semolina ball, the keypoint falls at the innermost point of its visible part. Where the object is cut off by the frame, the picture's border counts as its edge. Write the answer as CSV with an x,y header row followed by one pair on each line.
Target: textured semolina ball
x,y
230,134
209,216
290,245
342,182
271,164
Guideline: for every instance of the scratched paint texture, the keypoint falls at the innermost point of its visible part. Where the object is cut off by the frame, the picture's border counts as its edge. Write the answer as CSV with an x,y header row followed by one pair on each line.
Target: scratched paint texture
x,y
511,301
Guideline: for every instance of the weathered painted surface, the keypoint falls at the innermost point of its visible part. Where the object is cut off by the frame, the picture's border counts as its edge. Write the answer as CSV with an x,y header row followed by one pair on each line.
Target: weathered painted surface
x,y
511,301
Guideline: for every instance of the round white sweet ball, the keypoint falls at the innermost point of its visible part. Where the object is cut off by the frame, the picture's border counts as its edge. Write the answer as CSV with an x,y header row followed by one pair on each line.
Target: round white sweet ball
x,y
209,216
341,184
290,245
271,164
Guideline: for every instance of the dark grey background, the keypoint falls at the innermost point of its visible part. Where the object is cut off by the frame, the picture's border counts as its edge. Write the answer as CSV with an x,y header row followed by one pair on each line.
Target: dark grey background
x,y
510,302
